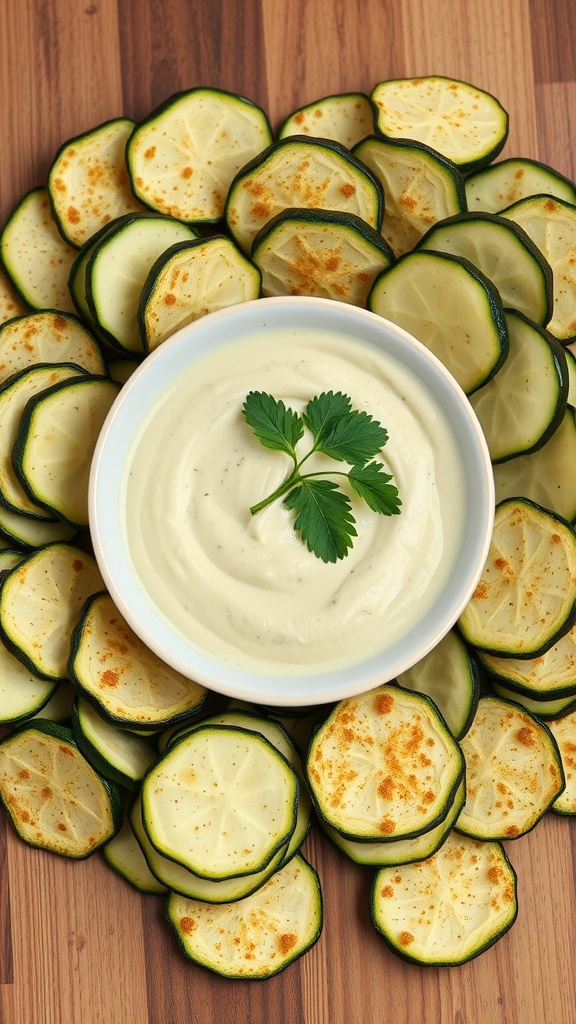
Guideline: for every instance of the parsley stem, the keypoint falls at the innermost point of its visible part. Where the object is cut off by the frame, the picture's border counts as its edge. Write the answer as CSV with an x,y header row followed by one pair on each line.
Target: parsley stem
x,y
294,478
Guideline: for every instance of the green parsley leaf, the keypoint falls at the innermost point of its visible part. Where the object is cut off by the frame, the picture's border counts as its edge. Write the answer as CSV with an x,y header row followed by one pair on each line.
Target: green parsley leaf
x,y
275,426
347,435
323,411
323,517
372,484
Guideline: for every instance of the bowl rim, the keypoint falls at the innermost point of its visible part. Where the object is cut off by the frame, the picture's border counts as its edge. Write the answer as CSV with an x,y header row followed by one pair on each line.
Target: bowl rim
x,y
128,595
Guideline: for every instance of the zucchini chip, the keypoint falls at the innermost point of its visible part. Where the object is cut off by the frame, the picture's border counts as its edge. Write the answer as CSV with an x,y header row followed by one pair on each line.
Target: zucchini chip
x,y
494,188
526,597
30,230
125,681
184,155
40,600
513,771
552,676
118,754
22,693
47,337
399,851
88,181
345,118
545,476
447,909
449,676
55,442
10,303
256,937
421,187
14,396
320,252
383,766
463,123
543,709
29,532
504,253
451,307
221,802
301,173
522,406
116,270
55,799
564,730
190,280
123,854
551,224
180,880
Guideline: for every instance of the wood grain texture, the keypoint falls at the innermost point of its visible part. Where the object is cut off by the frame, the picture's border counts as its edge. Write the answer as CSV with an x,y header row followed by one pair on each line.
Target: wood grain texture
x,y
77,945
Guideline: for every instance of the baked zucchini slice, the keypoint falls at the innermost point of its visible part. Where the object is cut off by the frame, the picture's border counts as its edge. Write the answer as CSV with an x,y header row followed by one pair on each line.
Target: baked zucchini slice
x,y
345,118
399,851
526,596
184,155
48,337
449,676
88,181
542,709
451,307
256,937
546,475
513,771
121,370
504,253
180,880
192,279
125,681
40,601
118,754
54,798
552,676
501,184
116,270
30,230
220,802
521,407
449,908
123,854
299,173
421,187
14,396
29,532
22,693
463,123
564,730
320,252
10,303
55,441
384,766
551,224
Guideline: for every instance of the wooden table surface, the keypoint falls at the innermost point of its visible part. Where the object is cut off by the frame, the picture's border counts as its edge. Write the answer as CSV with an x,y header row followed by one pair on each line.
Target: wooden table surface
x,y
77,944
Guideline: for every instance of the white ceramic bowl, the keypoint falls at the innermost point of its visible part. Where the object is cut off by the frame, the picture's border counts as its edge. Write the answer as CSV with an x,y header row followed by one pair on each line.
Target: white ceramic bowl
x,y
109,528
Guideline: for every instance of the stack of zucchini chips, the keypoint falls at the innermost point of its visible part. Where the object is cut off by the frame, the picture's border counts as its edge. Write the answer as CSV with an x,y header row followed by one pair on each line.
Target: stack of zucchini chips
x,y
394,201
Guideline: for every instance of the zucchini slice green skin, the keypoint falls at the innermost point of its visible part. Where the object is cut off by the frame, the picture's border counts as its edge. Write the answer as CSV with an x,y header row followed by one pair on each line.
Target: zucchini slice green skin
x,y
384,766
127,684
124,855
506,255
514,771
451,307
543,709
474,903
320,252
58,784
274,181
449,122
344,117
497,186
216,774
420,186
550,677
506,614
48,336
22,693
449,676
89,174
119,755
523,405
256,937
563,731
54,472
195,191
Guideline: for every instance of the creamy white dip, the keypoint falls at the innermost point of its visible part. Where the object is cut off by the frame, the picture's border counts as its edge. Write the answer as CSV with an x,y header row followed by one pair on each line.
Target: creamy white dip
x,y
244,588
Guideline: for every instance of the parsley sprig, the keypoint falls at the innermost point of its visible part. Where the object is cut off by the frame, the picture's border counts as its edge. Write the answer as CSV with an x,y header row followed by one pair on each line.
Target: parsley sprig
x,y
323,512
